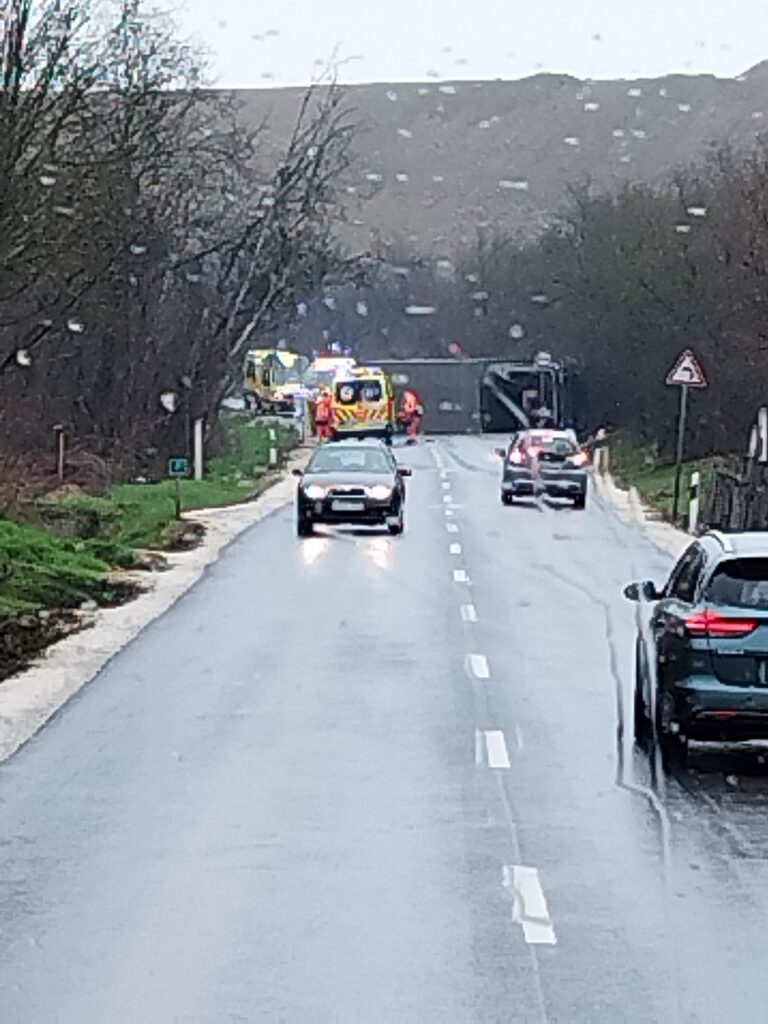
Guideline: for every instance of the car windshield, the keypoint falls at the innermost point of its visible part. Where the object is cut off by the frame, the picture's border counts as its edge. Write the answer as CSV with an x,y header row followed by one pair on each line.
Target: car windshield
x,y
350,392
349,460
741,582
560,447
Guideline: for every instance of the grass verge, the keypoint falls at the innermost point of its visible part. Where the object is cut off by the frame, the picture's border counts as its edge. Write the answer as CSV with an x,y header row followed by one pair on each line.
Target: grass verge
x,y
140,515
41,569
636,465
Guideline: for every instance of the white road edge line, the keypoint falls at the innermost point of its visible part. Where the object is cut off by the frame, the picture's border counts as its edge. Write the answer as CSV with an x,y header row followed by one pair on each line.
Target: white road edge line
x,y
478,666
451,527
460,576
529,908
496,746
468,613
455,549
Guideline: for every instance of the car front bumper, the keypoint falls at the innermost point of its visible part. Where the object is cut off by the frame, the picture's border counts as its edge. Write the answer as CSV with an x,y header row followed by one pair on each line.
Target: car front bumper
x,y
366,511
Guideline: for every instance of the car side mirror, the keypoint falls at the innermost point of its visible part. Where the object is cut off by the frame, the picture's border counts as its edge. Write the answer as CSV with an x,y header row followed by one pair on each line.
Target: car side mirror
x,y
298,472
404,471
646,591
649,591
501,452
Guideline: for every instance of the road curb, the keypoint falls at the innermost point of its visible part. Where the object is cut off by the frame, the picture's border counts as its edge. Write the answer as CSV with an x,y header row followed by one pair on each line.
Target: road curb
x,y
30,698
630,508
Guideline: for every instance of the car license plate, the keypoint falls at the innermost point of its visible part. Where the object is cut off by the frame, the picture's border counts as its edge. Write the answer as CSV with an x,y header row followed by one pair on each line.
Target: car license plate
x,y
348,506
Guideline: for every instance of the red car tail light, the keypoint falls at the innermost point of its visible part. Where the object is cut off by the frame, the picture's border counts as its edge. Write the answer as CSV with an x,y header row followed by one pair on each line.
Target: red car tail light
x,y
579,459
709,623
516,457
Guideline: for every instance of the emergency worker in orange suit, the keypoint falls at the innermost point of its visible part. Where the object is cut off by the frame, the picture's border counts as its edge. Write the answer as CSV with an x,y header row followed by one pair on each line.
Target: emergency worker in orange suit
x,y
411,412
324,415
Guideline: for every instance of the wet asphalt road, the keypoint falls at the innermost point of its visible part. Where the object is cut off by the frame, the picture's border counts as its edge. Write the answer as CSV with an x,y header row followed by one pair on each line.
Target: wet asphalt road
x,y
362,778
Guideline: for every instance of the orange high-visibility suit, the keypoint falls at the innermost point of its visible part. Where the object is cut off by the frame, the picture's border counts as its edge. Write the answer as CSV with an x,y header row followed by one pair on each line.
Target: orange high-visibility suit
x,y
324,415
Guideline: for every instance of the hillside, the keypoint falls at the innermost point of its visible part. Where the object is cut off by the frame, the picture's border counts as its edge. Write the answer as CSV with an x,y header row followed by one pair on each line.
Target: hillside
x,y
436,159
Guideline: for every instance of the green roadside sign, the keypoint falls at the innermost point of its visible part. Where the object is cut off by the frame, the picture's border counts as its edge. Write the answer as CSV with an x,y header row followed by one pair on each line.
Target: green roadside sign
x,y
178,467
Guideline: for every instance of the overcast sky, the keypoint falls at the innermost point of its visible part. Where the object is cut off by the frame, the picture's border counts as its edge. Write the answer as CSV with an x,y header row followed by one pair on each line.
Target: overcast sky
x,y
407,40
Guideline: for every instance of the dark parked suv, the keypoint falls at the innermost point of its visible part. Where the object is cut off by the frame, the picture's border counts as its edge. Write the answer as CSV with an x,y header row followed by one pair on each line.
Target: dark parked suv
x,y
702,667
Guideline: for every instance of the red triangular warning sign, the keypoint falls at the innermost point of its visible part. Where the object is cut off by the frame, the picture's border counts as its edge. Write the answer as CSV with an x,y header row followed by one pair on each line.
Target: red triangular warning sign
x,y
687,370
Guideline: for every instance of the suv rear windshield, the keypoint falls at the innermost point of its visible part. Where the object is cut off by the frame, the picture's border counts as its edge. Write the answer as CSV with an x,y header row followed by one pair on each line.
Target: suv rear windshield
x,y
741,582
350,391
559,447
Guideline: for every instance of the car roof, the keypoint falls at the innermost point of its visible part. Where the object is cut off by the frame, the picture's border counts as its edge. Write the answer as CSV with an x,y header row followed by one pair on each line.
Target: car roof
x,y
357,442
541,432
750,543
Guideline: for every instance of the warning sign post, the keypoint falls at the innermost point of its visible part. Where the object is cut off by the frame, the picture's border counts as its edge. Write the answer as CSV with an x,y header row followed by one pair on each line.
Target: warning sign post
x,y
686,373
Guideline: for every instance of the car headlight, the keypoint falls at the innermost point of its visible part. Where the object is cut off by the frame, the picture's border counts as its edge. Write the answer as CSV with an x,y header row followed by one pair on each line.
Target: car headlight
x,y
380,492
314,491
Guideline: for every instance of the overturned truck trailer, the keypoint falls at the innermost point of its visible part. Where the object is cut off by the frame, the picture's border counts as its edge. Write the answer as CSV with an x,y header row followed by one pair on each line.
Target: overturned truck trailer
x,y
464,396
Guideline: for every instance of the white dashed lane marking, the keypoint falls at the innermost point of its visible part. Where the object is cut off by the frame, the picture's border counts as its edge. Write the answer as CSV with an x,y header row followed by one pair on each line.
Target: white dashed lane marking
x,y
455,549
496,748
460,576
468,613
451,527
478,666
529,907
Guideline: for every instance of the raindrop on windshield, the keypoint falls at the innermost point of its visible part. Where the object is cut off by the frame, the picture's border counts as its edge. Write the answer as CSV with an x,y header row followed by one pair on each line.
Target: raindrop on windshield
x,y
169,401
516,331
401,177
75,326
64,211
697,211
618,133
684,108
47,180
405,133
572,140
392,95
540,299
329,302
361,308
302,308
414,310
449,90
591,106
373,176
138,250
634,92
23,358
683,229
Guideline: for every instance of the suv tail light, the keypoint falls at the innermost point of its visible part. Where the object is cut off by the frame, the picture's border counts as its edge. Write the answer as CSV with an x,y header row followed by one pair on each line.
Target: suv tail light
x,y
709,623
579,459
515,457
